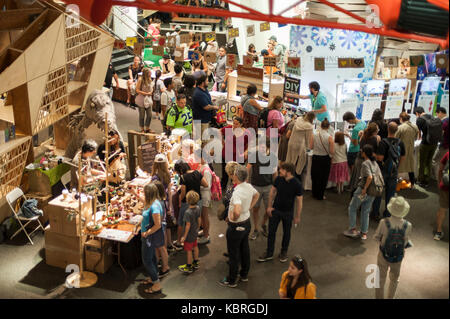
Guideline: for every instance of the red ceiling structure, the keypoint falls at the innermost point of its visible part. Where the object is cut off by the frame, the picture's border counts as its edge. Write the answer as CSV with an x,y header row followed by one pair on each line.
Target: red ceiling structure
x,y
97,11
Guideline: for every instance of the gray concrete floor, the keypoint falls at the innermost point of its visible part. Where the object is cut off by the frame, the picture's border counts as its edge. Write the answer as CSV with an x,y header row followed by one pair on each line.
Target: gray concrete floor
x,y
337,264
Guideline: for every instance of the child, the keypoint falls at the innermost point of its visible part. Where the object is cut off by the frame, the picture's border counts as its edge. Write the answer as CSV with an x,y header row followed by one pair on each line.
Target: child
x,y
161,251
191,224
339,168
393,236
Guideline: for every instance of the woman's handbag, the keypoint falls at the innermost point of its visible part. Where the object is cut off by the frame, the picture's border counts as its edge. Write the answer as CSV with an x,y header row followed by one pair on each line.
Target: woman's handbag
x,y
377,185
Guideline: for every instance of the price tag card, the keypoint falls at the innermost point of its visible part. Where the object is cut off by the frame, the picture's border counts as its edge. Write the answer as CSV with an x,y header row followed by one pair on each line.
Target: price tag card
x,y
265,26
179,54
394,105
185,38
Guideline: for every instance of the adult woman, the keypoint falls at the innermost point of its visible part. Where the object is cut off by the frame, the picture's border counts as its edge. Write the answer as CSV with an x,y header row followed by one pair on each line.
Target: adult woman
x,y
144,101
369,137
299,141
228,190
133,73
160,235
151,223
161,173
189,180
378,118
284,140
251,107
322,144
275,119
234,145
407,133
159,88
296,283
369,169
252,52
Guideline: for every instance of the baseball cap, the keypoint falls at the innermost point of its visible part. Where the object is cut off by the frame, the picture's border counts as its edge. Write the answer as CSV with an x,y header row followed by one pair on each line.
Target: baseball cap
x,y
177,27
273,38
264,52
161,158
166,56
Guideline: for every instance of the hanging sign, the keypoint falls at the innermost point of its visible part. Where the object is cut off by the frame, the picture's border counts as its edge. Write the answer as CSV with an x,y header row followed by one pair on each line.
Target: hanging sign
x,y
394,105
357,63
291,85
319,64
197,37
391,62
185,38
270,61
158,50
172,41
210,57
369,105
232,60
248,61
137,49
251,30
233,33
210,36
427,102
179,54
131,41
162,41
265,26
293,62
441,61
417,60
344,62
119,44
256,73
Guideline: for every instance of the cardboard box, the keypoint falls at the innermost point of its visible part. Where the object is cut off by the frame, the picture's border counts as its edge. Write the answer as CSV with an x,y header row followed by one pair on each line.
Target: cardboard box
x,y
62,250
99,257
61,259
59,219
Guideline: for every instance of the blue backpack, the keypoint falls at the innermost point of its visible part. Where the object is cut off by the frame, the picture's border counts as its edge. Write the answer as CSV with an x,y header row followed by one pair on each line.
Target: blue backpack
x,y
394,247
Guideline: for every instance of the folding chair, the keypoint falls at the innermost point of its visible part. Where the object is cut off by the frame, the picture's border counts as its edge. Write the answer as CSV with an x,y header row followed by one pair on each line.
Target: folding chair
x,y
66,179
13,199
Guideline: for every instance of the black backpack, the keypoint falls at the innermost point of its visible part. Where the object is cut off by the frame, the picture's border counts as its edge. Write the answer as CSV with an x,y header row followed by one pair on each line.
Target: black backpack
x,y
262,118
177,116
394,248
390,167
434,129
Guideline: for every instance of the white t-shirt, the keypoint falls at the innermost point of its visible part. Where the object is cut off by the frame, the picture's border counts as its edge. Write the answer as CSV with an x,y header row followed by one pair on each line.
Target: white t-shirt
x,y
206,191
242,195
340,153
168,98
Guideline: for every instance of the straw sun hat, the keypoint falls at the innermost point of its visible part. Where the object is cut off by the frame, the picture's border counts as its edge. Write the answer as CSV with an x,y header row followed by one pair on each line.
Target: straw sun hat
x,y
398,207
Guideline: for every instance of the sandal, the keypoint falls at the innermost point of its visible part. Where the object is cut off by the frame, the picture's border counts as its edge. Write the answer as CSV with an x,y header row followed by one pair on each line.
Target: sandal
x,y
151,291
147,282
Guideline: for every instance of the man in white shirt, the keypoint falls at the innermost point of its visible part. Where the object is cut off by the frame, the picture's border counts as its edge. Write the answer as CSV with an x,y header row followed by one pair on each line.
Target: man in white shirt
x,y
243,199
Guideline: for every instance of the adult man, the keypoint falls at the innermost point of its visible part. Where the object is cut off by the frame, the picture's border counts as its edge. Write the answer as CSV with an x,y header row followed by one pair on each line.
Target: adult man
x,y
167,65
167,97
110,74
88,150
177,79
180,115
115,144
431,132
242,201
443,196
220,66
202,106
262,176
441,113
357,131
319,102
390,153
278,51
176,33
286,190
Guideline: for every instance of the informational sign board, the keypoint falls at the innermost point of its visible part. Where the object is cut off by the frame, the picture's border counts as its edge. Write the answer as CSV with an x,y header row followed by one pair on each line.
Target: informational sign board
x,y
256,73
210,36
265,26
232,60
270,61
158,50
369,105
248,61
210,57
319,64
291,85
427,102
146,155
250,30
394,105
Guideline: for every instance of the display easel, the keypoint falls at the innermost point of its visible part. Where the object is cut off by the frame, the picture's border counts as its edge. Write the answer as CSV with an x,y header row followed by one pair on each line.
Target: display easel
x,y
432,96
395,97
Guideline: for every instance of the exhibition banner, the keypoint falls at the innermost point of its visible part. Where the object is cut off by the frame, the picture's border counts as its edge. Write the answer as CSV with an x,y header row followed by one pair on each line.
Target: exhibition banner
x,y
369,105
394,105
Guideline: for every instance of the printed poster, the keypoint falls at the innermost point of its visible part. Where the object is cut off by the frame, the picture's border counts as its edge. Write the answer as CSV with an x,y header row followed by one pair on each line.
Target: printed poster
x,y
394,105
427,102
347,105
444,101
369,105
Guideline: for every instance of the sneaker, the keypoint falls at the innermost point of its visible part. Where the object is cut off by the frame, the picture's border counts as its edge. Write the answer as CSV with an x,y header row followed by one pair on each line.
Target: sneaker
x,y
203,240
283,257
363,236
264,258
424,185
196,265
178,246
224,282
264,231
351,233
163,274
171,249
185,269
242,279
254,235
200,233
439,235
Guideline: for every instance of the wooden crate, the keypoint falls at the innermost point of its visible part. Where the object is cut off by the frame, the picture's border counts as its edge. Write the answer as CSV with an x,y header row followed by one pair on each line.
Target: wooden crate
x,y
62,250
